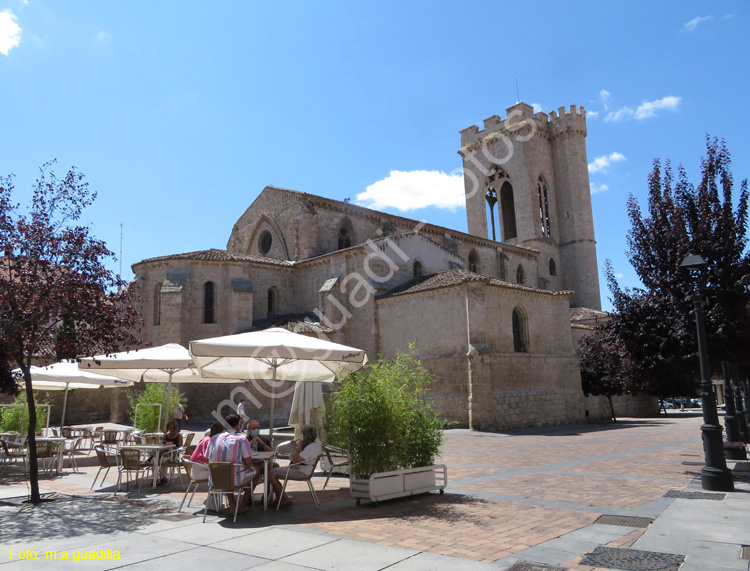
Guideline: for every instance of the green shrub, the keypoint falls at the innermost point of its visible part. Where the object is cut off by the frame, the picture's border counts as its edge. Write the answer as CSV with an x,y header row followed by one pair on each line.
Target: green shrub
x,y
16,418
381,415
147,416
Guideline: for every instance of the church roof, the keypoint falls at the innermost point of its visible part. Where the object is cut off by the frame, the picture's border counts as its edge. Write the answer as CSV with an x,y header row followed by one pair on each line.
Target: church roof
x,y
214,255
412,223
579,314
459,276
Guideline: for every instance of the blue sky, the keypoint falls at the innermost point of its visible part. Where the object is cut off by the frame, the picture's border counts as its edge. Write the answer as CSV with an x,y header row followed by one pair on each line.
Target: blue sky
x,y
179,113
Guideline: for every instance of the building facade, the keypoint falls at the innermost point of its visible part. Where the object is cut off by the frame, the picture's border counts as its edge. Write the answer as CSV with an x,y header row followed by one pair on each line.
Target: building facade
x,y
488,311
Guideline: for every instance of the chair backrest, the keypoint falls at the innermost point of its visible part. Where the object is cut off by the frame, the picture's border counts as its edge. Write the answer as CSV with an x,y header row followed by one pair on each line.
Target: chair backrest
x,y
102,456
152,439
221,476
66,432
138,438
131,459
188,439
55,433
190,449
109,436
76,445
43,449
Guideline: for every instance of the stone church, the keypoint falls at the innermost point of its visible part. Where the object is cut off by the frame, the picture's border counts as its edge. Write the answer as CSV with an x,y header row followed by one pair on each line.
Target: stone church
x,y
493,313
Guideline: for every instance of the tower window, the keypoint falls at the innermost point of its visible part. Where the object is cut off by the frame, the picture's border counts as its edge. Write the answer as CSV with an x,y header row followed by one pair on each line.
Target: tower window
x,y
473,261
508,211
208,303
520,334
520,274
266,241
541,189
552,267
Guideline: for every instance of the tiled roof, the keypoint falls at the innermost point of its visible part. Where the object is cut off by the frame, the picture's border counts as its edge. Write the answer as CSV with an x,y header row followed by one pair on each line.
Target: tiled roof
x,y
587,314
214,255
294,322
458,276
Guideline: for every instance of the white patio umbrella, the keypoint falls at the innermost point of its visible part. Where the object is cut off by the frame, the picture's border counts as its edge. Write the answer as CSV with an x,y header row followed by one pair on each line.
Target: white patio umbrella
x,y
65,376
163,364
277,355
308,407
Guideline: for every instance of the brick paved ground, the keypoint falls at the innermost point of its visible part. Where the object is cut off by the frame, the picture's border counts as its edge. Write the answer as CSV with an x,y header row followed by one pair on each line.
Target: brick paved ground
x,y
507,492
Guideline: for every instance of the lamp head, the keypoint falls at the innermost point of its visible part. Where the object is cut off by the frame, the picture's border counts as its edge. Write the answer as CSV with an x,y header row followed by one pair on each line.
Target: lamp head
x,y
693,262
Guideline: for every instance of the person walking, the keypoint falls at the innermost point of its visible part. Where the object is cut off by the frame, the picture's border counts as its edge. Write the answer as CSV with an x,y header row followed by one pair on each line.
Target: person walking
x,y
179,415
241,414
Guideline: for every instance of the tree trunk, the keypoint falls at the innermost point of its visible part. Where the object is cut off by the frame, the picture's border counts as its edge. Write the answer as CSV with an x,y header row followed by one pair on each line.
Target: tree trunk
x,y
34,496
611,408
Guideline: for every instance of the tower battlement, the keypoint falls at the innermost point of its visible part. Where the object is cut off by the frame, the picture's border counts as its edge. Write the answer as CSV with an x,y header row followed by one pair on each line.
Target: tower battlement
x,y
552,124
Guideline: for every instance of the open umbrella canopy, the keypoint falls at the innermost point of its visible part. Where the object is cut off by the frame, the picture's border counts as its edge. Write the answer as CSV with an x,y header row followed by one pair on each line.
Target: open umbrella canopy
x,y
66,375
275,354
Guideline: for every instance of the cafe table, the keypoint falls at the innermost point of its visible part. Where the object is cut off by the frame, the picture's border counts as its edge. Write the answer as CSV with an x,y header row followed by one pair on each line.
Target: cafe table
x,y
266,458
156,449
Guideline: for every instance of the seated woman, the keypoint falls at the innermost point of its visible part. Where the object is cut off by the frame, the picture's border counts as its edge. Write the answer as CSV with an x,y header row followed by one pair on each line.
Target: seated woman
x,y
304,453
171,436
200,454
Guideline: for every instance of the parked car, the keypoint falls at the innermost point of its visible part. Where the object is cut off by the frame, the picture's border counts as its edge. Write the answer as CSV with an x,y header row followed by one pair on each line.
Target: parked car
x,y
668,403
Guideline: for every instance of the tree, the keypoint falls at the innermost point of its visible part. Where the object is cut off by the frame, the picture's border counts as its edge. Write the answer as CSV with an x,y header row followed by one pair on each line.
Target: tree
x,y
605,366
654,324
57,299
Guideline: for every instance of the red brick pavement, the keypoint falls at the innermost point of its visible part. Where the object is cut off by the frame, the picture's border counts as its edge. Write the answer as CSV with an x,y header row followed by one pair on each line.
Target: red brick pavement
x,y
501,487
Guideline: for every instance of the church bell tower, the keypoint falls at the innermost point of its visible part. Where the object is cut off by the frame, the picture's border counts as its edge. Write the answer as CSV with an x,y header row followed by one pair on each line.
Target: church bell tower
x,y
526,183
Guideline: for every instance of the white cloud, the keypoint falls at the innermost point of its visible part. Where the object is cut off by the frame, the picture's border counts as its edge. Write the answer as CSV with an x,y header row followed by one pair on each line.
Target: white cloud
x,y
621,114
604,94
10,32
648,109
692,24
414,189
592,114
598,188
537,107
601,164
619,276
101,36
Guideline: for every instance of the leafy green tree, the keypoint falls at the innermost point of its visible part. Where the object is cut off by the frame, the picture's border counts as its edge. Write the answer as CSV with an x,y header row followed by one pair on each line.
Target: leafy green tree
x,y
654,324
57,298
143,414
381,415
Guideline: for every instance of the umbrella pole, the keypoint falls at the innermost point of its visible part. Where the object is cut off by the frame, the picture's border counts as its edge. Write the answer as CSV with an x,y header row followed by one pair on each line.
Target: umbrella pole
x,y
273,405
65,407
169,398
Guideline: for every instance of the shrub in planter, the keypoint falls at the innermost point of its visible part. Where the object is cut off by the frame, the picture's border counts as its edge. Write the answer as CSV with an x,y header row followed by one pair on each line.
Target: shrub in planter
x,y
381,415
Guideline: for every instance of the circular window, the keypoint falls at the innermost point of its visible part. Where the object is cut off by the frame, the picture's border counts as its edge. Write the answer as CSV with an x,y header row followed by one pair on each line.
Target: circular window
x,y
265,242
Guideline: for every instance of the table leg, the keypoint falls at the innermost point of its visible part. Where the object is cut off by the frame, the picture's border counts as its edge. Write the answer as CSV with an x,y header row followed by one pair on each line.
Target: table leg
x,y
156,467
265,484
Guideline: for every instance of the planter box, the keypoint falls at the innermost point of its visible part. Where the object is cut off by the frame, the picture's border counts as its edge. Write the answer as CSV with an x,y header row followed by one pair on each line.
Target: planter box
x,y
400,483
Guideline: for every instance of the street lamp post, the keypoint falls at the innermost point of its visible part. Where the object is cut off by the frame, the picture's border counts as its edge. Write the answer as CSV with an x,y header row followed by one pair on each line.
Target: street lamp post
x,y
714,475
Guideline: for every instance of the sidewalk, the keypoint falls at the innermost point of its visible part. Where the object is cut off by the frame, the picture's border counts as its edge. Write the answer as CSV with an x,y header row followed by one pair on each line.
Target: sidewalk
x,y
575,497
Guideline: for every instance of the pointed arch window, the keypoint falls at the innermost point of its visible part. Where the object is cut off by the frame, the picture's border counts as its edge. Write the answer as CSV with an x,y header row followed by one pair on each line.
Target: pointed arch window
x,y
552,267
541,189
209,313
473,262
508,210
520,274
520,332
157,304
345,234
417,268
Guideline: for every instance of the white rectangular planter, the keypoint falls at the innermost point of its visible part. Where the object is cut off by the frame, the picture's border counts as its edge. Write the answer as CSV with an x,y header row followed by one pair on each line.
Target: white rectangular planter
x,y
400,483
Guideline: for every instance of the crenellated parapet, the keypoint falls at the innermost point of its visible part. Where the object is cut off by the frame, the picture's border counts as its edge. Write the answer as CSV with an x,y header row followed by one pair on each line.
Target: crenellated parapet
x,y
522,119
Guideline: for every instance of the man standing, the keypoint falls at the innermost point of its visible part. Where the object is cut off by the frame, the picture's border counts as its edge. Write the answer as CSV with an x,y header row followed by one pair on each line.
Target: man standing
x,y
179,415
232,447
241,414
